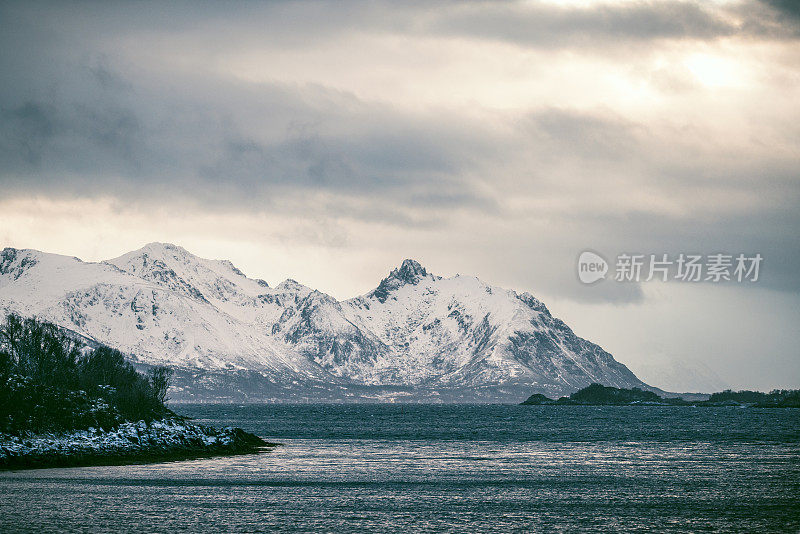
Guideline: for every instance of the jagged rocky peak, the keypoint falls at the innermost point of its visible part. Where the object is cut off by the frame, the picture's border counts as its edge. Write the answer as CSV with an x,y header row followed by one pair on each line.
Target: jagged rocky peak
x,y
414,329
409,272
317,298
291,284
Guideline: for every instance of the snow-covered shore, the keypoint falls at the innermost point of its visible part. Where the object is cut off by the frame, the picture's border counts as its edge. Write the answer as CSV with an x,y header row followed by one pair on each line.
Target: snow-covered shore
x,y
167,439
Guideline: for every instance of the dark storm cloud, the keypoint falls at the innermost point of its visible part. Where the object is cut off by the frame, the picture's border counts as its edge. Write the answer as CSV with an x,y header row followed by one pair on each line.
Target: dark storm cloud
x,y
307,24
549,26
99,140
729,202
88,109
27,128
770,233
153,149
789,8
80,119
605,25
535,24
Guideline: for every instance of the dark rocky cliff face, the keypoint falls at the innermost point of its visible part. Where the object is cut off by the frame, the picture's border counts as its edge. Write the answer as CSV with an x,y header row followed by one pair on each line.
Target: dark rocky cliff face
x,y
409,272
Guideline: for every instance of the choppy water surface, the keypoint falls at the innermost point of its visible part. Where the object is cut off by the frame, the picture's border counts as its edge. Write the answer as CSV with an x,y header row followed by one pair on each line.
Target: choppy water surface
x,y
391,468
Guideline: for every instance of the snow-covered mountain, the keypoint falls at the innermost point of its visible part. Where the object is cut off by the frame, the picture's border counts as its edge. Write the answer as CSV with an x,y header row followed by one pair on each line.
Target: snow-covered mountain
x,y
417,336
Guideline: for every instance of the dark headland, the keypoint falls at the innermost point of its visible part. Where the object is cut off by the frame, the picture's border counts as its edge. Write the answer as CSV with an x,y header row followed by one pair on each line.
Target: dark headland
x,y
65,404
599,395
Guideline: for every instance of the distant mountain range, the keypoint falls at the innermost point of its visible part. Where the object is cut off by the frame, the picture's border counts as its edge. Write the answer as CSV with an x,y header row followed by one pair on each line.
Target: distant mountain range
x,y
415,337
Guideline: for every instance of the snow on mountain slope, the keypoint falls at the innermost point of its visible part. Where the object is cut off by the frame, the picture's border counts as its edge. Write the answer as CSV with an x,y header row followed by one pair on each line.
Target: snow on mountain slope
x,y
156,320
415,332
462,332
216,282
319,328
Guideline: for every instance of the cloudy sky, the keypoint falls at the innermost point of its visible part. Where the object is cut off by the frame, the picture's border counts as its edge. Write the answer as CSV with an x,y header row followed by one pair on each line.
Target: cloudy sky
x,y
327,141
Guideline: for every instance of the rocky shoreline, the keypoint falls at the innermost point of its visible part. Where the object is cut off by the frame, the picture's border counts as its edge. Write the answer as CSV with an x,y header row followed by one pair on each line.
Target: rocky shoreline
x,y
168,439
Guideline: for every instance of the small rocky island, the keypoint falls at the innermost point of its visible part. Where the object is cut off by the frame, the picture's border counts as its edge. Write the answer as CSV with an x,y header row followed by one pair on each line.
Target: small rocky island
x,y
63,403
599,395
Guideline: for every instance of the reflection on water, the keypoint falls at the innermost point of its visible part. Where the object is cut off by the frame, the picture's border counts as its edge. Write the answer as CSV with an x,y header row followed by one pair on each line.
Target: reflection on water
x,y
390,468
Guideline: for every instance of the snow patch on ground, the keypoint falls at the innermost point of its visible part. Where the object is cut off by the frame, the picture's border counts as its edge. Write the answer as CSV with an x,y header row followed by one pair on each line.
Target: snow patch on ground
x,y
127,439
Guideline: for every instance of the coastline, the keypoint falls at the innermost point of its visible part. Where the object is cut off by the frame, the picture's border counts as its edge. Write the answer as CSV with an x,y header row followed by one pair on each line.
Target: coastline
x,y
170,439
599,395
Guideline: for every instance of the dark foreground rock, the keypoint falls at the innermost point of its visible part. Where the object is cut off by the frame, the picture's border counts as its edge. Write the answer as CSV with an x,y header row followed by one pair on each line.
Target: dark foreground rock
x,y
129,443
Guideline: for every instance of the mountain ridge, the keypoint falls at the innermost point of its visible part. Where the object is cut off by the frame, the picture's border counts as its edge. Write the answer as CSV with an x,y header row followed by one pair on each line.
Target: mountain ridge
x,y
416,336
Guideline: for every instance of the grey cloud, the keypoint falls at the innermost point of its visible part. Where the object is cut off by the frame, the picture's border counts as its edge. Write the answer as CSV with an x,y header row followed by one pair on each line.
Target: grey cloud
x,y
731,203
303,25
109,141
547,26
770,233
786,7
768,19
552,26
136,102
78,121
590,136
544,257
28,128
39,137
394,169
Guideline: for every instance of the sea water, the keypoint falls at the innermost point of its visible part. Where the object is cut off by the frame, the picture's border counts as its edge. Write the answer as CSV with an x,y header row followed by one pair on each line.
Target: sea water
x,y
444,468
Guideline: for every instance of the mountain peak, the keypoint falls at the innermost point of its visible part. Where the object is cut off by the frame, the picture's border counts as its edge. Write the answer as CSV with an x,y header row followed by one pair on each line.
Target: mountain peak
x,y
155,251
174,267
409,272
416,334
290,284
158,247
153,256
